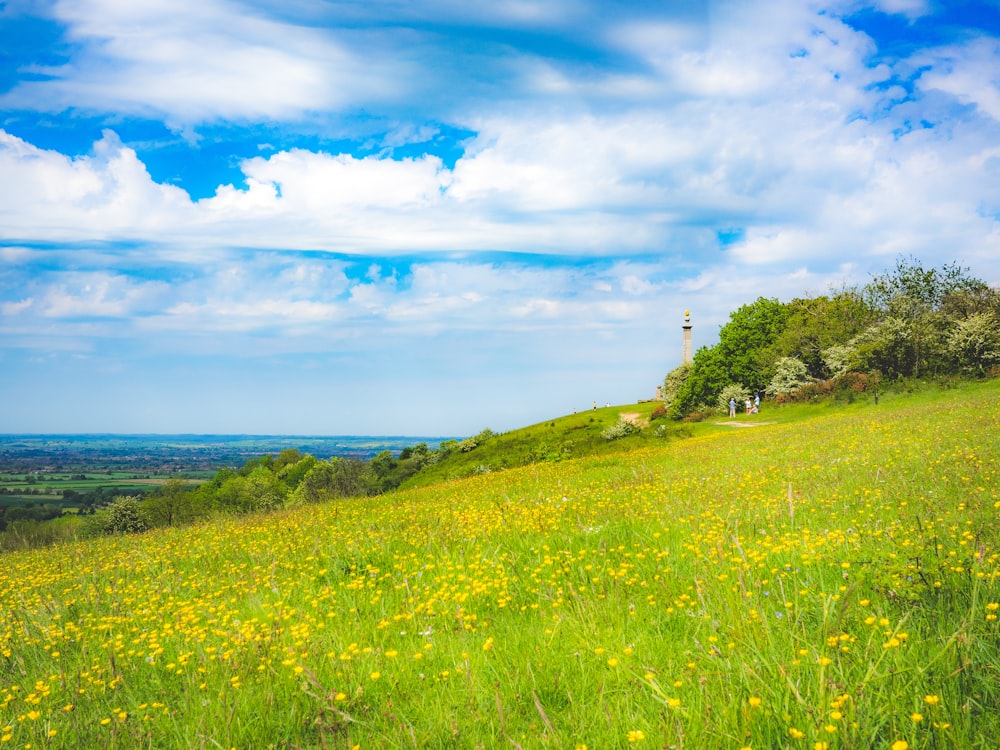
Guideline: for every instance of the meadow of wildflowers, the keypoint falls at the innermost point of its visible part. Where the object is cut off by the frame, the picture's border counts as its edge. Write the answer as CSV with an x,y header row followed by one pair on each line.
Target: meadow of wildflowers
x,y
833,583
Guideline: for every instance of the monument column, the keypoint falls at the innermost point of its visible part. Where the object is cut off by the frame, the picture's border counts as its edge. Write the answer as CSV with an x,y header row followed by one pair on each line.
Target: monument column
x,y
686,356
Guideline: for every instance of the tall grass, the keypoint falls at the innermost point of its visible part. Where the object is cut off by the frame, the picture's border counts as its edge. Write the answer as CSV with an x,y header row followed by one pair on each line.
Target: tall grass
x,y
832,583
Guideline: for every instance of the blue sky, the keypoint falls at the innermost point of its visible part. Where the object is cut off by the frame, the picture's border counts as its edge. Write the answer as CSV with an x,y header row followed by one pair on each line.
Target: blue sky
x,y
395,217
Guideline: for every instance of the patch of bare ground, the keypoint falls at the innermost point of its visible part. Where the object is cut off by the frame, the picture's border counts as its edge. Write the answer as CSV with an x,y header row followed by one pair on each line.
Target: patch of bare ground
x,y
634,417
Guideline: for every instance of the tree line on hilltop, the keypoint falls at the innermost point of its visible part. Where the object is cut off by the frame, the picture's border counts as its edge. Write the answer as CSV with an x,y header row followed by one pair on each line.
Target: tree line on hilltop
x,y
909,322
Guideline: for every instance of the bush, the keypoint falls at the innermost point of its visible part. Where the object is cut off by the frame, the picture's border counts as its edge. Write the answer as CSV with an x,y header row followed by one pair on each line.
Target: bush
x,y
698,415
974,344
659,412
124,516
790,375
842,386
735,392
672,384
622,428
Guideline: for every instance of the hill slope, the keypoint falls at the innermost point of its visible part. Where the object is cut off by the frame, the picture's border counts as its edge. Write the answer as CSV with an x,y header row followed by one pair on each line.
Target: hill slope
x,y
833,581
586,434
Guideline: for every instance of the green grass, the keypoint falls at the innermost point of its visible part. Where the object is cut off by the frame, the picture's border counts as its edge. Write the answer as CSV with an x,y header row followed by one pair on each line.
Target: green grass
x,y
579,435
833,579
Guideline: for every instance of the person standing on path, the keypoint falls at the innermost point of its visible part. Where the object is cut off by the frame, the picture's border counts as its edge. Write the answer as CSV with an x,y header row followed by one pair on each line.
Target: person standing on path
x,y
732,407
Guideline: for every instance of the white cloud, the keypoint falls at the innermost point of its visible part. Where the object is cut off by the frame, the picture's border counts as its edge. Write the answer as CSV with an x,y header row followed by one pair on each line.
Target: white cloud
x,y
310,183
196,60
741,133
17,307
912,9
969,73
45,195
100,294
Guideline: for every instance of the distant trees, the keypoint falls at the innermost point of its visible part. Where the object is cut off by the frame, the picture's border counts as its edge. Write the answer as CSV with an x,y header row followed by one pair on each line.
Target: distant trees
x,y
908,322
265,483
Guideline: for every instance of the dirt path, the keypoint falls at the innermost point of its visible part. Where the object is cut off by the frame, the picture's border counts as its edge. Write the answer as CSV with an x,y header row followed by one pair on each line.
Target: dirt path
x,y
744,424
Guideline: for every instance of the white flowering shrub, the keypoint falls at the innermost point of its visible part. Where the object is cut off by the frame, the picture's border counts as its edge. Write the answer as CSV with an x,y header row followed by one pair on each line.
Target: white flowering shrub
x,y
622,428
733,391
790,374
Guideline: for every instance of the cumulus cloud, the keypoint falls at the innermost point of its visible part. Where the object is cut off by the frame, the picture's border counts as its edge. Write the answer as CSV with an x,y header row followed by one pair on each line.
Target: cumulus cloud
x,y
46,195
968,73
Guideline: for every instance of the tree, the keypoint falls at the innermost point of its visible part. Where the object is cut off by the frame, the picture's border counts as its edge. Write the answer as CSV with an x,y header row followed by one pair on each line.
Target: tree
x,y
293,473
707,377
319,484
838,358
338,477
672,384
912,302
745,342
790,374
886,347
258,490
909,286
733,392
974,343
171,504
124,516
287,457
816,324
263,490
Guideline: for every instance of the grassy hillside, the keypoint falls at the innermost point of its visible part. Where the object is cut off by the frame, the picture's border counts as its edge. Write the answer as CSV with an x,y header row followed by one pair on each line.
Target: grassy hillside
x,y
581,434
826,583
558,439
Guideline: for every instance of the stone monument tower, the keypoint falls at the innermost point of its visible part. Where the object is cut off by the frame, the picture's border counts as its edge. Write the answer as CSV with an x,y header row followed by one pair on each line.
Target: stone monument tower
x,y
686,356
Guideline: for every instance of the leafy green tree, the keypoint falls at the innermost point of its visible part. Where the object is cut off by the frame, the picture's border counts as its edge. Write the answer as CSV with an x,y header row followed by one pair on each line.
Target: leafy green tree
x,y
258,490
747,340
287,457
266,461
319,484
913,304
171,504
975,298
816,324
293,473
263,490
886,347
910,287
414,451
707,377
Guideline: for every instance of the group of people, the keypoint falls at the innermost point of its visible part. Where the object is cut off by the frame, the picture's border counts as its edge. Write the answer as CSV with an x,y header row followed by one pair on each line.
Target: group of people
x,y
752,407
